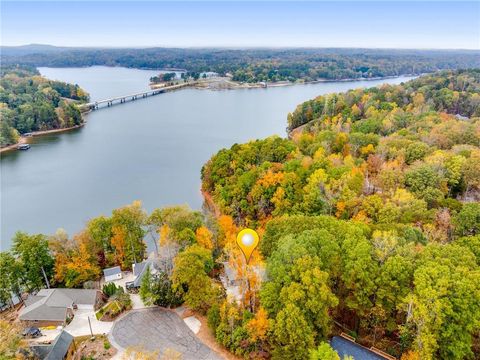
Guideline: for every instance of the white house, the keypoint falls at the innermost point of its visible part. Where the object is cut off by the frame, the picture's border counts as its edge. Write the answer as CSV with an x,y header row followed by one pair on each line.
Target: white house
x,y
112,274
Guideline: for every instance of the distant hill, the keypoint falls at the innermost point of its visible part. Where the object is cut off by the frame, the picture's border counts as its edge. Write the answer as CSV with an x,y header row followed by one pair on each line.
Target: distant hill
x,y
30,49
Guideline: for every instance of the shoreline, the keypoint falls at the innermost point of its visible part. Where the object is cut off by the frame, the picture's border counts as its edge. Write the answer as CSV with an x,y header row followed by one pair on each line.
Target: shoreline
x,y
24,139
224,84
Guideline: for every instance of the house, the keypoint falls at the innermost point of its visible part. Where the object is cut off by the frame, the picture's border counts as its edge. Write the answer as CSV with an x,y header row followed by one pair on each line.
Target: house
x,y
348,347
231,282
139,269
55,306
112,274
60,349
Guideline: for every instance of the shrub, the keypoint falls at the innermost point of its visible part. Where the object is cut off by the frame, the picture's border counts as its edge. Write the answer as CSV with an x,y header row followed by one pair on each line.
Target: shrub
x,y
110,289
213,317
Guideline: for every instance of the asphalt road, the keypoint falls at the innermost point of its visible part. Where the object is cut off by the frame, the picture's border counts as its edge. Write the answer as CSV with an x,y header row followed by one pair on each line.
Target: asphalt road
x,y
157,329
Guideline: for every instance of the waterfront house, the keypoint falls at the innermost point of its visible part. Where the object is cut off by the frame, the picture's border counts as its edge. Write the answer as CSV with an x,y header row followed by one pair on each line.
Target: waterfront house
x,y
140,269
55,307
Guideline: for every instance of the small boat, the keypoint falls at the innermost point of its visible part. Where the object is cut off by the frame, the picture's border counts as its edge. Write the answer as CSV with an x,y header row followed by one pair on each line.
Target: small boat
x,y
23,147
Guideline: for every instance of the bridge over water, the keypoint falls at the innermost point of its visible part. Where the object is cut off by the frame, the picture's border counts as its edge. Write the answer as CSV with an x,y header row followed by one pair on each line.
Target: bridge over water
x,y
95,105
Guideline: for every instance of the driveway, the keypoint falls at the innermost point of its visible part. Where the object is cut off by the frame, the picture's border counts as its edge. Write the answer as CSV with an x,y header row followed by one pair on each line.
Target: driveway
x,y
158,329
79,325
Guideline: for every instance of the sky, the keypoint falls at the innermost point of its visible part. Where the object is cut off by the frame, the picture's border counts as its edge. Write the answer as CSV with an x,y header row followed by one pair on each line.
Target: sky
x,y
376,24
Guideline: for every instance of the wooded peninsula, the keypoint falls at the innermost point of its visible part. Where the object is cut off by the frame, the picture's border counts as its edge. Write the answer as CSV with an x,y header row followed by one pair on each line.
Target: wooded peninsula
x,y
31,103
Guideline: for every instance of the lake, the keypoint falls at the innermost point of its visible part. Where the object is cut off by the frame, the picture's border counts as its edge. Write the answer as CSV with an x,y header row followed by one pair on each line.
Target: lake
x,y
150,150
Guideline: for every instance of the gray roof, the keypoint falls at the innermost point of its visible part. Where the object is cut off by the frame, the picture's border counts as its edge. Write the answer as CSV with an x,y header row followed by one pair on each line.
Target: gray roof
x,y
55,298
81,296
138,268
52,304
143,266
43,312
60,346
112,271
346,347
32,299
55,351
41,351
46,305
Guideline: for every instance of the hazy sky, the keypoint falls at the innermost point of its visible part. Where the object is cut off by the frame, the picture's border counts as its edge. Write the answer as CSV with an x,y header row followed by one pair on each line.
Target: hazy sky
x,y
184,24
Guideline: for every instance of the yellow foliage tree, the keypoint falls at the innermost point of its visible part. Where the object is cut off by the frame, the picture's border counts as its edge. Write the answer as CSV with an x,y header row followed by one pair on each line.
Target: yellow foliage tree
x,y
119,243
228,231
258,327
204,237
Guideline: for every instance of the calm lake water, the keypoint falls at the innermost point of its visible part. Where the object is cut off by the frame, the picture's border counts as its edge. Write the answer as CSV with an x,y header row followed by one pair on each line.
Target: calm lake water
x,y
150,150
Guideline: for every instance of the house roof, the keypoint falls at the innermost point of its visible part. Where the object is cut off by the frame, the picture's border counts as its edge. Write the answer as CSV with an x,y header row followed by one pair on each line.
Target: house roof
x,y
54,351
142,268
81,296
40,311
345,347
32,299
60,346
41,351
112,271
138,268
46,305
56,298
52,304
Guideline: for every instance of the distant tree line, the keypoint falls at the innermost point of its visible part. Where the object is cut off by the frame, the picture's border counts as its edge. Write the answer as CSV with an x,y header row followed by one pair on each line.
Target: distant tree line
x,y
253,65
29,102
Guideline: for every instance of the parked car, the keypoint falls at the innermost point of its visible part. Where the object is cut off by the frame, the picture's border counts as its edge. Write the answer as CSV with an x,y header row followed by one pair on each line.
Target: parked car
x,y
32,332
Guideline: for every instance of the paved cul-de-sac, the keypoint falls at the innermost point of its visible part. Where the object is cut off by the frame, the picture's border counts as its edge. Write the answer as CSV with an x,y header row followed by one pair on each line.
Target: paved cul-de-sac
x,y
157,329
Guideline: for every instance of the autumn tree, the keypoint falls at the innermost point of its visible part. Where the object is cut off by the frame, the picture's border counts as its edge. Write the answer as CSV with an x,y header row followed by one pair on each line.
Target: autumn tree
x,y
292,336
258,326
35,258
467,221
157,289
445,304
190,277
74,263
129,222
204,237
11,279
323,352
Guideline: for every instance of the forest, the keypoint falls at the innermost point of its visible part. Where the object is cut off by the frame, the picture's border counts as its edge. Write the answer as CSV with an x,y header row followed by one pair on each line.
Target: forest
x,y
29,102
369,219
254,65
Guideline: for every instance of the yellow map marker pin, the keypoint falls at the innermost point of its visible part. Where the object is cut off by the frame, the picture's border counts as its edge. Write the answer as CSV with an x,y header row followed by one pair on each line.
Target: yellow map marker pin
x,y
247,241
